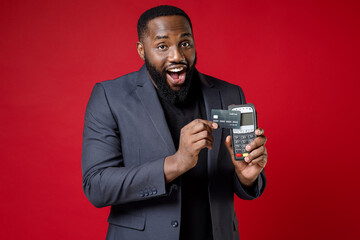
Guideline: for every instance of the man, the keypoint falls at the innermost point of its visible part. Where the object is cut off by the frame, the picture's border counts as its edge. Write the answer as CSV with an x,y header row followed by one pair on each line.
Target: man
x,y
148,151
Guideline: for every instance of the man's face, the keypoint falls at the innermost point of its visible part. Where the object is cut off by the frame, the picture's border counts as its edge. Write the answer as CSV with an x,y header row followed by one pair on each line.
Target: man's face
x,y
168,46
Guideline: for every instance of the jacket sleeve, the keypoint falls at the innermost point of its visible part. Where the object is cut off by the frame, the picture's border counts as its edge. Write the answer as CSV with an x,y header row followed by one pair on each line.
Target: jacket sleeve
x,y
253,192
106,181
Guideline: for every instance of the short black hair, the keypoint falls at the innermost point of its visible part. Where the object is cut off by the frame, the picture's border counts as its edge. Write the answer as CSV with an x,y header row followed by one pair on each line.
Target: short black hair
x,y
159,11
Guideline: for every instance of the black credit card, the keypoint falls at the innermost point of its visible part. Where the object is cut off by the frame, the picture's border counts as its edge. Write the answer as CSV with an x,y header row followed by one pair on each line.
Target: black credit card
x,y
226,118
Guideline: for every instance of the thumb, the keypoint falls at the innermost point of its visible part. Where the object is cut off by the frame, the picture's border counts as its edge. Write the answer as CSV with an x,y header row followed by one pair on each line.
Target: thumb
x,y
239,165
213,125
228,145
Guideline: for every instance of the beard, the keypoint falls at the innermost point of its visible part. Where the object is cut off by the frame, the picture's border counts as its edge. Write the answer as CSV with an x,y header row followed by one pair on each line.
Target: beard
x,y
179,97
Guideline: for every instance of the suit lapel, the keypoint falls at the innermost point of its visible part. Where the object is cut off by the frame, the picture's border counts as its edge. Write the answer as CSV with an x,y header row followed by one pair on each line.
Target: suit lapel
x,y
147,94
212,99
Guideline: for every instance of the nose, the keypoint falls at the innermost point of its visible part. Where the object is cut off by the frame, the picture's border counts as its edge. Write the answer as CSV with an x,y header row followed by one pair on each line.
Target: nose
x,y
176,55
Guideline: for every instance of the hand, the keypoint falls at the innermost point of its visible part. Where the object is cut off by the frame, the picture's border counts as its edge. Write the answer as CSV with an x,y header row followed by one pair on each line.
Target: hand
x,y
193,137
248,170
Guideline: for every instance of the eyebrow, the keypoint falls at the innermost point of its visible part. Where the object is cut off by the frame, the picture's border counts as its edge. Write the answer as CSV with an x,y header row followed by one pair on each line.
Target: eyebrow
x,y
186,35
167,37
161,37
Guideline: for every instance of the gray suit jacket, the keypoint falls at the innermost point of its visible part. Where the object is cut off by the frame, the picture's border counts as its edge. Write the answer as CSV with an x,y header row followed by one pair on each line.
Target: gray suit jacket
x,y
126,139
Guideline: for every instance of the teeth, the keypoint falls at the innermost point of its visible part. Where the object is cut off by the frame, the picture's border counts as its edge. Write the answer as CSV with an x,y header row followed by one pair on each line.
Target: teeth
x,y
176,69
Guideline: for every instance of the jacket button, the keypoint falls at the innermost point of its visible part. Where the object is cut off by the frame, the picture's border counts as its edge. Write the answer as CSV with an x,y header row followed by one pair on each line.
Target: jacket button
x,y
174,223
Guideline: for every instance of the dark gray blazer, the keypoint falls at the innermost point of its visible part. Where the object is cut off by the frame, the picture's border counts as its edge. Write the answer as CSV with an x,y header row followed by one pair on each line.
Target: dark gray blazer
x,y
126,139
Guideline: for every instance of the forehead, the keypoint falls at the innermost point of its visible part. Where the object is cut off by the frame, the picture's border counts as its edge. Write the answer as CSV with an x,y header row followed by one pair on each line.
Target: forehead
x,y
167,25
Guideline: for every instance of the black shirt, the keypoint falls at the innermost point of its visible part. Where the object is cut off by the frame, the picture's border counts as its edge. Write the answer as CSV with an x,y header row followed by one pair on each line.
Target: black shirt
x,y
195,208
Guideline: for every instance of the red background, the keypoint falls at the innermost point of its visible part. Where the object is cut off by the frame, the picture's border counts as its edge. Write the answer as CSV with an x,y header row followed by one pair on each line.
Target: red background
x,y
297,61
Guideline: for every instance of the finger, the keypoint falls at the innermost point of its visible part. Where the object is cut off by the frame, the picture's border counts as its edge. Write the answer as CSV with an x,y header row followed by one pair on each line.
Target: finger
x,y
261,160
198,125
202,135
203,143
259,141
229,147
256,153
259,131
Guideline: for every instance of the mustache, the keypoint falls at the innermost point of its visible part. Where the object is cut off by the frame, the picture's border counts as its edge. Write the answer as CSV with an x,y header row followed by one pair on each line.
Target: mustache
x,y
178,64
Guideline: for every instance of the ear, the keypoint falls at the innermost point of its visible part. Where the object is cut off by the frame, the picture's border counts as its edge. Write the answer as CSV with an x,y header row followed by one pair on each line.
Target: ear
x,y
141,51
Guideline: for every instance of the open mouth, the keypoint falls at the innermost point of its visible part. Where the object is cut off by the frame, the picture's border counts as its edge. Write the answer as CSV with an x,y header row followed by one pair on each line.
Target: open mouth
x,y
176,76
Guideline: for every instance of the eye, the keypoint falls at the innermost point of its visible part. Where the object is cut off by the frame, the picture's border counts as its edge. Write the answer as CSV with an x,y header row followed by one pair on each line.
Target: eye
x,y
185,44
162,47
